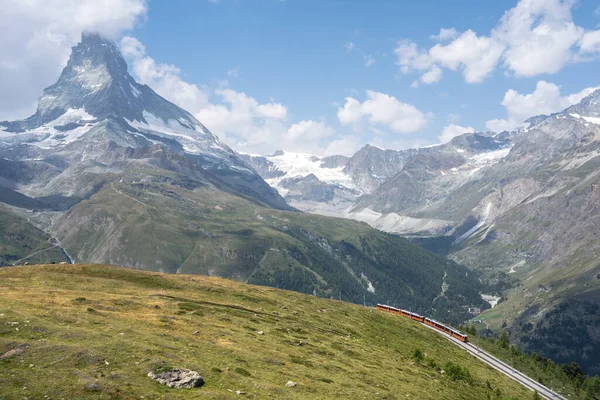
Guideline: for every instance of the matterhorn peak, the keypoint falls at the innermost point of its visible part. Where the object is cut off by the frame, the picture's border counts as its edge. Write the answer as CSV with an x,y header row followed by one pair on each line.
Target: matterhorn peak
x,y
96,97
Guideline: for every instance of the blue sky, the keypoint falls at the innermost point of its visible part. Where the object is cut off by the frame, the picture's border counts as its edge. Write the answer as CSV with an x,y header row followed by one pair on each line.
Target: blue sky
x,y
328,76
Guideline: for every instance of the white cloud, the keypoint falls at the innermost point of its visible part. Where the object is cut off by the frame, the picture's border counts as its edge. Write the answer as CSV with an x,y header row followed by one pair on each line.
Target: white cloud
x,y
237,118
383,109
409,57
534,37
349,46
451,131
545,99
433,75
345,145
540,36
476,56
309,130
445,34
369,60
590,42
38,39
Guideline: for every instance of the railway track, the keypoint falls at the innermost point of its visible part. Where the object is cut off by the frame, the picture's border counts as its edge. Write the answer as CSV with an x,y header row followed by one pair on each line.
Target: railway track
x,y
460,339
506,369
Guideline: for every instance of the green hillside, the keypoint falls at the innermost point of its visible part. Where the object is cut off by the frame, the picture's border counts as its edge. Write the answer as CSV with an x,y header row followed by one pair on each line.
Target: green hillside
x,y
79,325
159,220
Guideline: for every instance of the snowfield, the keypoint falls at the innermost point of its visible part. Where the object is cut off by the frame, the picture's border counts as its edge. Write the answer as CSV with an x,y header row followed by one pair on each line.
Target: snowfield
x,y
301,165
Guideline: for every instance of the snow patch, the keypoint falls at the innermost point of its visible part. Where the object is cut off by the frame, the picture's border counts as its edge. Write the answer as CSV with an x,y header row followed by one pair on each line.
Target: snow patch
x,y
593,120
482,220
493,300
92,78
135,91
194,141
370,287
48,136
302,165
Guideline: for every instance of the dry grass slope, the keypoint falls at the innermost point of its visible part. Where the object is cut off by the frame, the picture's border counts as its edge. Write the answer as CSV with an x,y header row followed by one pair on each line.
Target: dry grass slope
x,y
66,326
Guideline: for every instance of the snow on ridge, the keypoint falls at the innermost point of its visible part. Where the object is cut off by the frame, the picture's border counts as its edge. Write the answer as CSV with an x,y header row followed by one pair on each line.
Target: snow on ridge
x,y
301,165
92,78
135,91
194,141
49,136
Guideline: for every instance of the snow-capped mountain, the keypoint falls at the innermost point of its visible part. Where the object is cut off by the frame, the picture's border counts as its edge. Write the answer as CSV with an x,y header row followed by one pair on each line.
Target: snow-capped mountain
x,y
97,112
95,86
371,186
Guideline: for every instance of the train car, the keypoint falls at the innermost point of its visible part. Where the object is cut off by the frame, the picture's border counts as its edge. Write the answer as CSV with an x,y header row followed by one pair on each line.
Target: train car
x,y
446,329
427,321
417,317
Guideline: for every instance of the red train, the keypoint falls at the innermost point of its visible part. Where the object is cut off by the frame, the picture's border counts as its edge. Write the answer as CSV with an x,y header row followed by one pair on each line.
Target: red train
x,y
427,321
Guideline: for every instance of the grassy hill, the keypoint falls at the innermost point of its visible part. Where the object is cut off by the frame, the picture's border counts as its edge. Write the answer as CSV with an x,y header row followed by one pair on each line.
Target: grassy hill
x,y
159,220
72,325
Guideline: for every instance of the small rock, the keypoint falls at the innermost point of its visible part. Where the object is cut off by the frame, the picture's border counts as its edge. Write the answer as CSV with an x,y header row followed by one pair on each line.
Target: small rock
x,y
240,392
178,378
260,332
93,387
14,352
291,384
196,333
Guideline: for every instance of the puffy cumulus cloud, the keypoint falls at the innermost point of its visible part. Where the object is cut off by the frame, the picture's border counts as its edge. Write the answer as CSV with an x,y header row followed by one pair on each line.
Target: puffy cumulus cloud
x,y
39,35
476,56
535,37
309,130
411,58
540,36
590,43
383,109
545,99
451,131
236,117
432,76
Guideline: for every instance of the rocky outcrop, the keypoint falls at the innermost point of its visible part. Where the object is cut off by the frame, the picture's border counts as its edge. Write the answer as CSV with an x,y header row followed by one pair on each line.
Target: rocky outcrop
x,y
178,378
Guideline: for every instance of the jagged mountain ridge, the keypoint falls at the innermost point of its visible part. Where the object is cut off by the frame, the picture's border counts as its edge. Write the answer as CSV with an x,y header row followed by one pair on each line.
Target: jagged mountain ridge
x,y
379,186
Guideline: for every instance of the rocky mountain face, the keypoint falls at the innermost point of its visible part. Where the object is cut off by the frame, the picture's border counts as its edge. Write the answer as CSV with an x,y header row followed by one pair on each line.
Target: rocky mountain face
x,y
390,190
107,171
522,204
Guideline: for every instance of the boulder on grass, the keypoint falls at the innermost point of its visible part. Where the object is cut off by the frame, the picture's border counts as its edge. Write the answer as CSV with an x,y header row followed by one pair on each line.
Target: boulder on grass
x,y
178,378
